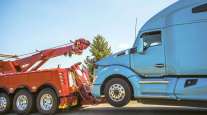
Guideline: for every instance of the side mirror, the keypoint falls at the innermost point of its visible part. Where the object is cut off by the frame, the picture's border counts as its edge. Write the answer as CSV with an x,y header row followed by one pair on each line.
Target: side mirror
x,y
140,47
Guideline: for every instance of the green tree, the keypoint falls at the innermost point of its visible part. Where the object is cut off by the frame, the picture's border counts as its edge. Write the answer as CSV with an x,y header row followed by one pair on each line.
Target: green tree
x,y
99,49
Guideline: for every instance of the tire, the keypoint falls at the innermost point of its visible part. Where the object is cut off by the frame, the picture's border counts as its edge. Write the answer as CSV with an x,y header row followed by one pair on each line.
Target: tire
x,y
23,102
52,104
118,92
5,103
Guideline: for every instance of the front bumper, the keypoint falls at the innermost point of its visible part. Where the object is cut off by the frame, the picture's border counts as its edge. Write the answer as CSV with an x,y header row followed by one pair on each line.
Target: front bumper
x,y
96,90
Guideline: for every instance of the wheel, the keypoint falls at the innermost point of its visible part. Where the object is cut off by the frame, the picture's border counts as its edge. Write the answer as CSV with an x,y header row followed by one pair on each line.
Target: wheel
x,y
23,102
5,103
118,92
47,101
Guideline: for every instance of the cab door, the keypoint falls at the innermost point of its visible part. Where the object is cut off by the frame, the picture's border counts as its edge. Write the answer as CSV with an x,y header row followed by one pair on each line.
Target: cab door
x,y
150,63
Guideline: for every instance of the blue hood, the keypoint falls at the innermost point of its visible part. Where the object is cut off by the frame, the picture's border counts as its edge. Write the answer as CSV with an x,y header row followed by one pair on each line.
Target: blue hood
x,y
120,58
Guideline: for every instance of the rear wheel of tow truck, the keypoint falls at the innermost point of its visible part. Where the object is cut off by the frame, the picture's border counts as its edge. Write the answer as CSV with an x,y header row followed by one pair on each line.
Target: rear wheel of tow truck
x,y
118,92
47,101
23,102
5,103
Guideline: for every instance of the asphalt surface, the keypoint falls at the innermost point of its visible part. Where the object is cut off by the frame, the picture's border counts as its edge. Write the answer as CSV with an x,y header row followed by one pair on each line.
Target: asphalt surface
x,y
133,109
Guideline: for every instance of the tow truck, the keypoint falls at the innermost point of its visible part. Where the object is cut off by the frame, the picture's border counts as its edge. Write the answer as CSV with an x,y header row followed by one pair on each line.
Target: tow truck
x,y
25,87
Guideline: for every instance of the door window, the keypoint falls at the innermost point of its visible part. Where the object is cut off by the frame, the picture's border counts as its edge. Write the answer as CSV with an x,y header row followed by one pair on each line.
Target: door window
x,y
151,39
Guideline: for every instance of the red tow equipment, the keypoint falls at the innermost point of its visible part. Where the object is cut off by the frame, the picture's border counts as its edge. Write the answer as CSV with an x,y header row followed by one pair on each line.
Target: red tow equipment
x,y
70,86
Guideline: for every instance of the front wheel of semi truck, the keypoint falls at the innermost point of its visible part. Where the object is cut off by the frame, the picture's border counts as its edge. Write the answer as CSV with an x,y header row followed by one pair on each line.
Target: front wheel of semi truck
x,y
5,103
118,92
47,101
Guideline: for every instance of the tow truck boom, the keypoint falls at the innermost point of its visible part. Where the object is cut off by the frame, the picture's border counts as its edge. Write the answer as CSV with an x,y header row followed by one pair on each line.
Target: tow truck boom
x,y
35,61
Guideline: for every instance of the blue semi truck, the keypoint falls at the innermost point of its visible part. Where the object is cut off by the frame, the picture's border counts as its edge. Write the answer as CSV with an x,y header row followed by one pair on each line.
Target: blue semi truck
x,y
167,63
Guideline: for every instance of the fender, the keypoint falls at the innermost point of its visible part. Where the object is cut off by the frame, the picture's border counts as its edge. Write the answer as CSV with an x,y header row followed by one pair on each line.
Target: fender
x,y
110,70
107,71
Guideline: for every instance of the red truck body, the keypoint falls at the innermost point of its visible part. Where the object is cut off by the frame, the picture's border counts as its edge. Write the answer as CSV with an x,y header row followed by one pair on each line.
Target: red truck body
x,y
36,80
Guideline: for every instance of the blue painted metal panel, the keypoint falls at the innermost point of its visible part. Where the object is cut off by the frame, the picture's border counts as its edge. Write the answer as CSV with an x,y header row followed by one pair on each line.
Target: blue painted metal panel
x,y
159,20
107,71
196,91
158,88
96,90
185,47
145,63
134,80
120,58
103,73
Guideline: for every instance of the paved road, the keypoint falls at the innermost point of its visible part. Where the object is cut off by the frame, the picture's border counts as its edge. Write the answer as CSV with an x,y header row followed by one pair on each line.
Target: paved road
x,y
133,109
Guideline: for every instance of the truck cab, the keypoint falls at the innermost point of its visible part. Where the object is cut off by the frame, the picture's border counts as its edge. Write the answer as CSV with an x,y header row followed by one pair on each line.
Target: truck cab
x,y
166,63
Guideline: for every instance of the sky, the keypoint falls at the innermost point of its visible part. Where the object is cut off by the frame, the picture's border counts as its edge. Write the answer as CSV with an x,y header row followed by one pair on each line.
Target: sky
x,y
29,25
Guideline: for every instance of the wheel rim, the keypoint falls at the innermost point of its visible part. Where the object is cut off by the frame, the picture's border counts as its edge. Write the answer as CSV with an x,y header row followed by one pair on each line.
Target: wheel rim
x,y
22,102
46,102
117,92
3,103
